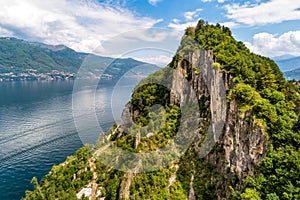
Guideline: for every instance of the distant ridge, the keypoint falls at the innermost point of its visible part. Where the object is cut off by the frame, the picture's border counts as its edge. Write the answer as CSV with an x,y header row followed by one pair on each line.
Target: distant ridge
x,y
293,74
290,67
18,55
20,59
283,57
289,64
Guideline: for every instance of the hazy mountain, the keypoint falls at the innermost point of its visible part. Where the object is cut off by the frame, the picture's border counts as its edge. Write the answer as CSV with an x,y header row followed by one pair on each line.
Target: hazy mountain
x,y
18,56
288,64
283,57
293,74
290,67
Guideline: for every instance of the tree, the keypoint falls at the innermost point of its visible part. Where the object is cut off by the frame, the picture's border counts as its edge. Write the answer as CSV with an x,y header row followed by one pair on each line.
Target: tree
x,y
250,194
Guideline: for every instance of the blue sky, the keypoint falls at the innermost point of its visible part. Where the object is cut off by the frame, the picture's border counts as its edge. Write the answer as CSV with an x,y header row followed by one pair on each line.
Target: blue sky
x,y
267,27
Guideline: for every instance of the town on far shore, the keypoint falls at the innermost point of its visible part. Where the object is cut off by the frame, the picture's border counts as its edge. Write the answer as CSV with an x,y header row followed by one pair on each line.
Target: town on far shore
x,y
33,74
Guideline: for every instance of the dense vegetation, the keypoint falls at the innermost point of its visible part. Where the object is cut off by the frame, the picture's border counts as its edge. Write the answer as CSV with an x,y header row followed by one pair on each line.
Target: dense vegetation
x,y
18,56
160,121
259,87
60,182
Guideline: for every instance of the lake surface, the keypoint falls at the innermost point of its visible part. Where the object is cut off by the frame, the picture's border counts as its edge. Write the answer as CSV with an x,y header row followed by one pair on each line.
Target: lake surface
x,y
37,129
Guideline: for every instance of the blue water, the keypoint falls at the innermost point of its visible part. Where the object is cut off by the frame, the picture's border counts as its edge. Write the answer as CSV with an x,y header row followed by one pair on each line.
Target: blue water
x,y
37,129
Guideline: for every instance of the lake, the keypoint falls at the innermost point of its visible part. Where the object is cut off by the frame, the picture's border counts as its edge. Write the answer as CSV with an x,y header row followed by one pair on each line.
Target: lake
x,y
37,129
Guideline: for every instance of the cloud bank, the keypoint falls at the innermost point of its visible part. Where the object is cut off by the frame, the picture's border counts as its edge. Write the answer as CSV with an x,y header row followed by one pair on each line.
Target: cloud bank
x,y
79,24
271,12
190,19
272,45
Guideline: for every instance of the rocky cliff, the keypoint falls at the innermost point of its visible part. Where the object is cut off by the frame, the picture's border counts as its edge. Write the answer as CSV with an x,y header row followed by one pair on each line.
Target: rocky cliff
x,y
238,144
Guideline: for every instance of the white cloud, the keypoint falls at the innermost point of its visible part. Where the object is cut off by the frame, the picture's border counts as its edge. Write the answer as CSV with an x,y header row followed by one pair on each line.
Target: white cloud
x,y
144,44
190,19
272,45
5,33
230,24
79,24
273,11
154,45
160,60
191,15
153,2
182,26
175,20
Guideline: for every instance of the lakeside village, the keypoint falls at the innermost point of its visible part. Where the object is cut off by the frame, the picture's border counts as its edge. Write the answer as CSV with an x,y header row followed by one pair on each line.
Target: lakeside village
x,y
32,74
55,75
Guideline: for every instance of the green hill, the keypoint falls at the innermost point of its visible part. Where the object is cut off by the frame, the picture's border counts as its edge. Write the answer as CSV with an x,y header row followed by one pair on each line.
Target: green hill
x,y
256,155
18,56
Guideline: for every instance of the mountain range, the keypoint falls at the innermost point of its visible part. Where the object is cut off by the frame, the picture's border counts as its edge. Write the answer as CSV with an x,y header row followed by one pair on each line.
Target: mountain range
x,y
21,59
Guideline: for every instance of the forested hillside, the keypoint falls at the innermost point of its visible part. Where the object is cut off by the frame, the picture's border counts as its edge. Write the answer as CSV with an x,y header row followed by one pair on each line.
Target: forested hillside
x,y
18,56
256,157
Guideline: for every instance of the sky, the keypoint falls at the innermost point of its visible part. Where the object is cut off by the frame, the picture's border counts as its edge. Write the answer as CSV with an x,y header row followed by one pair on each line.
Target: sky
x,y
150,30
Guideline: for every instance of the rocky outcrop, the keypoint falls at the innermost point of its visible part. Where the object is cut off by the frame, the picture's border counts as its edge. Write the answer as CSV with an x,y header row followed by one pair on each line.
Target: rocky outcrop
x,y
240,145
243,142
233,144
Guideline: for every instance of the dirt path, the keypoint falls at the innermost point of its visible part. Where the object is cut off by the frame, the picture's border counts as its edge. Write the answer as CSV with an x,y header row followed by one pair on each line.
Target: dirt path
x,y
126,182
94,184
101,149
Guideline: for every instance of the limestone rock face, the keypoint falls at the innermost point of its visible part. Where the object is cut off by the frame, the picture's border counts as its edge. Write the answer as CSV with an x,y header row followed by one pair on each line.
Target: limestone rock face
x,y
240,144
243,142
